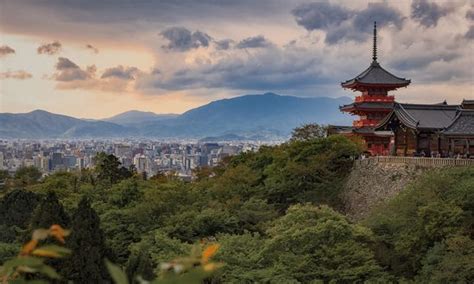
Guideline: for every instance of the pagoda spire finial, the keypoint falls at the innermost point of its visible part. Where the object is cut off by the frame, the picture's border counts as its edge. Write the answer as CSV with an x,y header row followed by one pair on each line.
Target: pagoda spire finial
x,y
374,54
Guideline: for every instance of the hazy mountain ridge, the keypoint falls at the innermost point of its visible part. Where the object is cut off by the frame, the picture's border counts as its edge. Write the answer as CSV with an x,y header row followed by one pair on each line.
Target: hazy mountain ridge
x,y
132,117
43,124
259,116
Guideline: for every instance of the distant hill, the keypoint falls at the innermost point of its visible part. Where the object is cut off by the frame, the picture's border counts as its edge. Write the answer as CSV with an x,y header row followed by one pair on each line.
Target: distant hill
x,y
250,115
258,117
134,117
226,137
43,124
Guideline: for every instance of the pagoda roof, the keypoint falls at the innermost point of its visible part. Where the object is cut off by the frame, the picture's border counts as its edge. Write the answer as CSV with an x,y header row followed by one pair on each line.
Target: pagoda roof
x,y
340,129
367,106
463,124
422,117
375,76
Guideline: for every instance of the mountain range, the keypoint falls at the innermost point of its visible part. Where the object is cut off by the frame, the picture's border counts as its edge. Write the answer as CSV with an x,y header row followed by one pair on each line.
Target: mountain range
x,y
254,117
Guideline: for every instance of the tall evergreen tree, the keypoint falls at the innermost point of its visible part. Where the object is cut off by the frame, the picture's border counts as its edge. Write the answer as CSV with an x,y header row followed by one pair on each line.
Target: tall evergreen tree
x,y
49,212
27,176
16,208
108,168
87,242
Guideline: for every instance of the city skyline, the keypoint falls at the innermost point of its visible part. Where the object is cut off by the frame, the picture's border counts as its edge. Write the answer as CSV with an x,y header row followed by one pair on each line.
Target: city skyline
x,y
96,59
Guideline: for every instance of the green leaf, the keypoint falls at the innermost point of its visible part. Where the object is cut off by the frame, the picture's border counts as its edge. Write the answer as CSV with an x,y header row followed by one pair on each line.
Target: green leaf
x,y
29,264
116,272
49,271
22,261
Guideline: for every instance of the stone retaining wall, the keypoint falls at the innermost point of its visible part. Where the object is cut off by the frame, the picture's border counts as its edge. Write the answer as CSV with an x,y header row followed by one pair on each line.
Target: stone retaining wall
x,y
378,179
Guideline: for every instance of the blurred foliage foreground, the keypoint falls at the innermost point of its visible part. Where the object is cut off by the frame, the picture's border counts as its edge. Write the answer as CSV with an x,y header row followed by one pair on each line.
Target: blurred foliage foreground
x,y
32,261
274,216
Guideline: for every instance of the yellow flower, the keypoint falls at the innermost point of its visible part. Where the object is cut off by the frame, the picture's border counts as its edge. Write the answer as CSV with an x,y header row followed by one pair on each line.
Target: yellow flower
x,y
209,252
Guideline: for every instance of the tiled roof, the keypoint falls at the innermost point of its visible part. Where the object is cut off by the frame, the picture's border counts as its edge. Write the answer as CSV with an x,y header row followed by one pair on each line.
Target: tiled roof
x,y
368,105
417,116
339,129
463,124
376,75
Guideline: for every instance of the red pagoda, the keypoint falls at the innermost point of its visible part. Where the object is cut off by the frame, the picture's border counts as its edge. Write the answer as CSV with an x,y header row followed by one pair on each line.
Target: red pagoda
x,y
374,103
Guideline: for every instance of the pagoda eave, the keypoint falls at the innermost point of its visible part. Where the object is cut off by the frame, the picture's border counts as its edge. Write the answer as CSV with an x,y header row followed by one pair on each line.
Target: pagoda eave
x,y
358,86
366,107
356,110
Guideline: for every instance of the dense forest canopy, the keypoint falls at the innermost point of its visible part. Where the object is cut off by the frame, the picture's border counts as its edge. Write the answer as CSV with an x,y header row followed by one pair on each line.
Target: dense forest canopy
x,y
276,213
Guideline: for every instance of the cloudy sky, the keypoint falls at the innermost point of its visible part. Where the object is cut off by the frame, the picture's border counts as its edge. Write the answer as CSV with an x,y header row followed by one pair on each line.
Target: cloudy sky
x,y
96,58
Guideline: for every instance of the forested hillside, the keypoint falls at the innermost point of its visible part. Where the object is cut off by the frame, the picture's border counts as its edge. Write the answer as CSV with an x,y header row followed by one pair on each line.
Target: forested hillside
x,y
276,215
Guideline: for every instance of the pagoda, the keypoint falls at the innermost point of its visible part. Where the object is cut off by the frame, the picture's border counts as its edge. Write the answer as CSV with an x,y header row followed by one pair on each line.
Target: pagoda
x,y
374,103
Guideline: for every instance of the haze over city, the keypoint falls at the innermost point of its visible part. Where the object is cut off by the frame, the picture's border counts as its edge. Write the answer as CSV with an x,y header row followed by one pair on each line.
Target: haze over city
x,y
94,59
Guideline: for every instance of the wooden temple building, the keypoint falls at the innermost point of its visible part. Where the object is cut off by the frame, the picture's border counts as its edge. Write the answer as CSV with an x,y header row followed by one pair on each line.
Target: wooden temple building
x,y
438,130
391,128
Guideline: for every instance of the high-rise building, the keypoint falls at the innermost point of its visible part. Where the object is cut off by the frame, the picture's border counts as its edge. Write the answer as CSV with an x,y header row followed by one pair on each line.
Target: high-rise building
x,y
141,163
57,160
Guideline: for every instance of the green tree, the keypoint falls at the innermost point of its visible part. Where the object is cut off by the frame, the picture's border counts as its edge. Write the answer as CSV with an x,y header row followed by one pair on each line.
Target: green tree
x,y
155,247
87,242
309,171
108,168
140,264
8,250
27,175
417,226
49,212
307,245
449,261
308,132
124,193
315,243
4,175
242,255
16,208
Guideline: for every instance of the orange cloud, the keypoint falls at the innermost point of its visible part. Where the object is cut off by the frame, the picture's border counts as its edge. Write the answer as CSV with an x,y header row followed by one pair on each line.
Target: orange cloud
x,y
19,75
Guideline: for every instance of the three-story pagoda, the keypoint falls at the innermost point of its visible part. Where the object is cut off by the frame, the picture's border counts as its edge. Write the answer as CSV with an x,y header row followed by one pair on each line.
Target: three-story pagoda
x,y
374,103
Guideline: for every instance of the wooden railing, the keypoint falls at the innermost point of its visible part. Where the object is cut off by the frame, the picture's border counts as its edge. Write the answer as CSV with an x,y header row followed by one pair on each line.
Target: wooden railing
x,y
419,161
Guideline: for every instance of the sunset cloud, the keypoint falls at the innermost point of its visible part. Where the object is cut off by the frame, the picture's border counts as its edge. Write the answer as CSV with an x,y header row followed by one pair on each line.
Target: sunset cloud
x,y
182,39
19,75
5,50
70,71
120,72
92,48
50,48
70,76
224,44
320,15
427,13
204,48
254,42
342,24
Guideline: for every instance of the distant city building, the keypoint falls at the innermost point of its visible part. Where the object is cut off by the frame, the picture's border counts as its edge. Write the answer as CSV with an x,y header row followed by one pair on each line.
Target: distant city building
x,y
147,156
57,161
